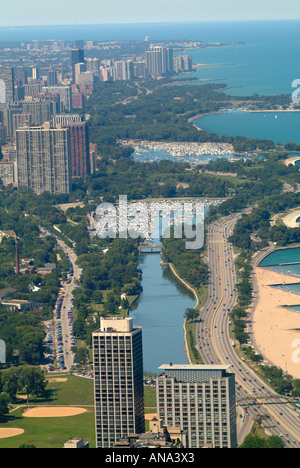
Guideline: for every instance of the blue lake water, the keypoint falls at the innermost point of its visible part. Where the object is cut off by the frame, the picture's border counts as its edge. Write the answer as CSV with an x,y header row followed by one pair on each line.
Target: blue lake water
x,y
160,311
296,308
287,262
263,125
267,62
281,256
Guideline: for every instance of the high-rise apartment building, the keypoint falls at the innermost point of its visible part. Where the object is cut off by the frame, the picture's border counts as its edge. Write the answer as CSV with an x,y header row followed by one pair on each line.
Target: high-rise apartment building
x,y
8,172
80,149
44,159
78,100
79,68
159,60
123,70
200,400
182,63
41,111
65,119
93,65
77,56
9,112
118,381
31,89
52,78
21,77
35,73
64,93
6,86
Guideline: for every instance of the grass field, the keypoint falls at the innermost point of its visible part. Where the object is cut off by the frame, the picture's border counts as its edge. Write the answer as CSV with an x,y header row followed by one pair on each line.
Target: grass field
x,y
54,432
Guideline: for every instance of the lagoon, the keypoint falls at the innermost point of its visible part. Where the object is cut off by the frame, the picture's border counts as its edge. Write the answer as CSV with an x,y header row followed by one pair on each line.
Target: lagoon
x,y
160,312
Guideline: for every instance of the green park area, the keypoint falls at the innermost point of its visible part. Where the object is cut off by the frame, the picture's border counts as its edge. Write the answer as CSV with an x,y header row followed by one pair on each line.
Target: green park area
x,y
62,391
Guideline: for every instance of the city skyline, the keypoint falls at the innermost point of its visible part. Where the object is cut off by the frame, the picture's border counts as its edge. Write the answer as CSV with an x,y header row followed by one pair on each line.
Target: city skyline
x,y
132,11
118,146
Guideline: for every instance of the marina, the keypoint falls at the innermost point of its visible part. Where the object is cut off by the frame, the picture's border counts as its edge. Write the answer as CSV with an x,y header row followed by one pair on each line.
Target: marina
x,y
186,152
150,220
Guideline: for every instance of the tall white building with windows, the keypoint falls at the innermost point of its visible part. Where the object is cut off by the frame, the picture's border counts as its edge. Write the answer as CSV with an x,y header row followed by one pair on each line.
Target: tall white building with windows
x,y
159,60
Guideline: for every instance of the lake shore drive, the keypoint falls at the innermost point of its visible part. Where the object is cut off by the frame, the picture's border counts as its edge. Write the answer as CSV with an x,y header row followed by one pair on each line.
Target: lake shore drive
x,y
276,328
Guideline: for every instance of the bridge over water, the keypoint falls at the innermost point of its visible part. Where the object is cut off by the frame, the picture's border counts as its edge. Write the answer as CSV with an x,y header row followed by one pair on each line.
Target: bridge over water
x,y
149,248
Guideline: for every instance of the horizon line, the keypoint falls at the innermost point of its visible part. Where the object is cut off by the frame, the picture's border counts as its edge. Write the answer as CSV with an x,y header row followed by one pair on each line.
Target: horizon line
x,y
148,23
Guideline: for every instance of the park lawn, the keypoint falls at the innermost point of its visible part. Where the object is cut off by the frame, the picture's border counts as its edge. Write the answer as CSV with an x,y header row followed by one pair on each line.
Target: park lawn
x,y
149,399
75,391
191,327
50,432
54,432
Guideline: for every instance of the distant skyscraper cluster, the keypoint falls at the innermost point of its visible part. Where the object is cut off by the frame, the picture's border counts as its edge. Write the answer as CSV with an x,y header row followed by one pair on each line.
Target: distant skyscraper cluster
x,y
158,61
36,105
47,145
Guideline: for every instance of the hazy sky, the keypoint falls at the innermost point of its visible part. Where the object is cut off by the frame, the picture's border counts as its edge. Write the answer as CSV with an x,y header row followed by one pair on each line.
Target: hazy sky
x,y
55,12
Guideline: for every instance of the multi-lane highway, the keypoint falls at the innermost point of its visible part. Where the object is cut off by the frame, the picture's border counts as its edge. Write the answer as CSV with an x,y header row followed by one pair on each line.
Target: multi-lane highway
x,y
66,318
63,313
254,397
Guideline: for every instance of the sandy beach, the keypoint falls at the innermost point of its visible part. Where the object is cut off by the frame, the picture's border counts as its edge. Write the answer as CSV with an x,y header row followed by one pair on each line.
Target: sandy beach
x,y
277,329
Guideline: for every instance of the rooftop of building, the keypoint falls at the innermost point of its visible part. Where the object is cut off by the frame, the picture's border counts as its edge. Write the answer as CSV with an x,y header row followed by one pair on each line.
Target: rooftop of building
x,y
193,367
116,325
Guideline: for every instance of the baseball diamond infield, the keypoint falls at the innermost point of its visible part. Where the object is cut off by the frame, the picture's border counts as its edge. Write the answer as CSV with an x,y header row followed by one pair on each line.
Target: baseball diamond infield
x,y
9,432
53,412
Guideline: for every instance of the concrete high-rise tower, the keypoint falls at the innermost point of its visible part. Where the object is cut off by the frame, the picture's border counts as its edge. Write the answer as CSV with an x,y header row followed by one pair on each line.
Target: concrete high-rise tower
x,y
118,381
80,149
200,400
44,159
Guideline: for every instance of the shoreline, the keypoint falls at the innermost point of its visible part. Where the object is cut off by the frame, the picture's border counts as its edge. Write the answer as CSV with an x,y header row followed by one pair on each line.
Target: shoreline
x,y
187,342
276,328
251,111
